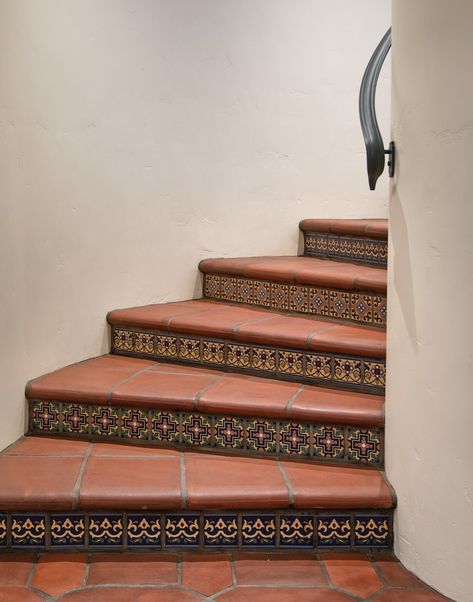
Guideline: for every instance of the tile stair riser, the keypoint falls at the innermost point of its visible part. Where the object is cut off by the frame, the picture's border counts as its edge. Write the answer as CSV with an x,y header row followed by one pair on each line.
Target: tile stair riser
x,y
359,307
349,248
355,373
334,444
206,530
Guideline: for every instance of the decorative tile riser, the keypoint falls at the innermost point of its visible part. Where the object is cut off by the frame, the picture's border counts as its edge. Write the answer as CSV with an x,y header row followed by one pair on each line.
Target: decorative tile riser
x,y
351,248
247,435
340,371
212,530
358,307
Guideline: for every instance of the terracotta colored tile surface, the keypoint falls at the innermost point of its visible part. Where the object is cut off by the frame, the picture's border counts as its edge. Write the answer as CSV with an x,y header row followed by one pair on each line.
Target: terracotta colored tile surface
x,y
185,369
410,595
353,573
58,573
371,279
269,594
37,483
91,379
287,331
373,228
124,594
352,340
47,446
131,483
234,482
342,407
207,574
278,570
321,486
156,315
133,569
241,394
15,568
156,389
117,450
18,594
395,574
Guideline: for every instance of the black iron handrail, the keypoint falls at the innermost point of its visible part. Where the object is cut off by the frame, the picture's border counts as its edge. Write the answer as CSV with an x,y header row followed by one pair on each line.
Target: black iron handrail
x,y
369,124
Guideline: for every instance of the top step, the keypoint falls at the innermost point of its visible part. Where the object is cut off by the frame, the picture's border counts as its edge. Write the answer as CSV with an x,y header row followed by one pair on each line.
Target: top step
x,y
361,240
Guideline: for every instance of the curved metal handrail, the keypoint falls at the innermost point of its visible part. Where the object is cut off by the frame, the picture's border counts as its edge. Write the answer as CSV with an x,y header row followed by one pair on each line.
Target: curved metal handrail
x,y
369,124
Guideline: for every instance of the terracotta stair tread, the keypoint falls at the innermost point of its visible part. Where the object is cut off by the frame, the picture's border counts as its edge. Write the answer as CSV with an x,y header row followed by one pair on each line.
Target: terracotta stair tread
x,y
370,228
39,473
253,325
301,270
126,381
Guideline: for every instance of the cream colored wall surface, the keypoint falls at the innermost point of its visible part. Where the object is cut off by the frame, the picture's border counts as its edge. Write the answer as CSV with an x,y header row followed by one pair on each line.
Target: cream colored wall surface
x,y
429,406
139,136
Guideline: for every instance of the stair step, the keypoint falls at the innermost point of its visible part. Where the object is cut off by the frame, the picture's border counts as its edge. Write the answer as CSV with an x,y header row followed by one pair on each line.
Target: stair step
x,y
307,285
254,340
77,494
215,410
361,240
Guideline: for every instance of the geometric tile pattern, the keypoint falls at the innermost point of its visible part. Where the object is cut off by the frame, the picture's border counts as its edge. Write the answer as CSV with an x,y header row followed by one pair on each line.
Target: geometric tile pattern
x,y
362,308
298,440
205,530
348,372
353,248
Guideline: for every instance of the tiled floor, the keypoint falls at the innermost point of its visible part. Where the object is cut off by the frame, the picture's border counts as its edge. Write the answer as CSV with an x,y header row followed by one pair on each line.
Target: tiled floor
x,y
158,577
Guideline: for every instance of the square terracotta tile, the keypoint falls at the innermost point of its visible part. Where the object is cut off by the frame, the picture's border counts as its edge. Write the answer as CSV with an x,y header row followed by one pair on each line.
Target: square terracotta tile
x,y
206,574
147,568
58,572
15,569
299,570
119,449
353,573
47,446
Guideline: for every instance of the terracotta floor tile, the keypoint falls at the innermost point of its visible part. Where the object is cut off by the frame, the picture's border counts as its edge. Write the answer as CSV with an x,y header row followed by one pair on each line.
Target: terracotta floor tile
x,y
57,573
131,483
281,569
120,449
321,486
47,446
247,395
185,369
18,594
409,595
133,569
207,574
352,340
396,575
287,331
156,315
15,569
341,407
234,482
156,389
353,573
37,483
269,594
91,379
123,594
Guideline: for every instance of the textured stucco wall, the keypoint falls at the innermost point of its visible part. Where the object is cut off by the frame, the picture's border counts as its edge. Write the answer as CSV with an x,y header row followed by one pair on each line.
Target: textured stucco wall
x,y
429,405
139,136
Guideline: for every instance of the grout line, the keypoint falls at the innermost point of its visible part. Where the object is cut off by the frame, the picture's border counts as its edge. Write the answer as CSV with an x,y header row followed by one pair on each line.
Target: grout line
x,y
287,409
126,380
199,393
76,490
183,481
247,323
290,491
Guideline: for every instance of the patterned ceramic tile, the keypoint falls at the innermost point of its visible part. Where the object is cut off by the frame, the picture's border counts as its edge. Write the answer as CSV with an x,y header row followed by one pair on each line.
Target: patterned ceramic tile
x,y
213,353
123,340
373,530
68,529
165,426
3,530
347,370
263,359
291,362
258,530
245,291
143,343
319,303
375,373
229,432
182,530
105,421
262,293
379,310
45,415
364,445
346,248
134,423
334,531
143,530
75,418
238,356
280,296
294,439
166,346
196,429
212,286
221,530
339,305
296,531
105,529
189,349
329,442
28,530
319,366
228,288
361,308
299,299
262,435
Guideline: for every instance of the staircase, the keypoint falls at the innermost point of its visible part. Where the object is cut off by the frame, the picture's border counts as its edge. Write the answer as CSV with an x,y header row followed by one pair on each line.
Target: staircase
x,y
249,419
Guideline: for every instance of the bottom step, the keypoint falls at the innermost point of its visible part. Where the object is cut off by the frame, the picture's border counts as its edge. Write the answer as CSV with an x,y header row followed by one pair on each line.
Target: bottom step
x,y
64,493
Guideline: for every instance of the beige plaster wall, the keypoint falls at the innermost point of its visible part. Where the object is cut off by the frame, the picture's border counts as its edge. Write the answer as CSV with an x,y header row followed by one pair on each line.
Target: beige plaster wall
x,y
429,406
139,136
